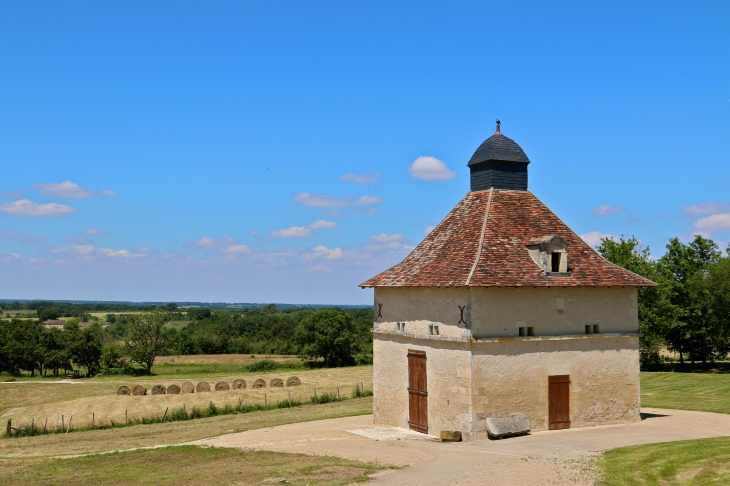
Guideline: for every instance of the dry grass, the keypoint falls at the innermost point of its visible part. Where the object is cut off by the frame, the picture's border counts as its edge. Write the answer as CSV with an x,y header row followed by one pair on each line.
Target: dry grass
x,y
41,400
169,433
186,465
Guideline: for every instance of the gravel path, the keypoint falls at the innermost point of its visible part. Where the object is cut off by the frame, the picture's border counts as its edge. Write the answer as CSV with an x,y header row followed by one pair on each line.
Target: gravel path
x,y
544,458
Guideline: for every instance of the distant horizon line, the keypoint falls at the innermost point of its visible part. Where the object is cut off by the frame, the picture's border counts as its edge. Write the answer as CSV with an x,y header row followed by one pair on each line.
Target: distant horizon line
x,y
180,303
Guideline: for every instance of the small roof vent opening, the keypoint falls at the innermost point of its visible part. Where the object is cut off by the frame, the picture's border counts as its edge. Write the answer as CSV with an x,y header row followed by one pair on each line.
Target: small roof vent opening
x,y
551,254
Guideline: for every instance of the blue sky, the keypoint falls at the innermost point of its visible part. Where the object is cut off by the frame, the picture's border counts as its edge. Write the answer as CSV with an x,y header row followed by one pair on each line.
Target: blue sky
x,y
287,151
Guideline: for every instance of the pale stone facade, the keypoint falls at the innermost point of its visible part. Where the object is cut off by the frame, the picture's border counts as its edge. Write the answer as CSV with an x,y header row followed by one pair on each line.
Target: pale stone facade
x,y
481,367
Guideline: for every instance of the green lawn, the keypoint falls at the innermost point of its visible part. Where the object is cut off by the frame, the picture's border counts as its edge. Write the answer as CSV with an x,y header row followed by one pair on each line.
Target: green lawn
x,y
186,465
691,462
686,391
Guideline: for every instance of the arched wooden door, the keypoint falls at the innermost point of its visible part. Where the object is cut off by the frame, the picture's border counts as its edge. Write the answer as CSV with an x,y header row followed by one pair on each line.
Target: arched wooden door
x,y
417,391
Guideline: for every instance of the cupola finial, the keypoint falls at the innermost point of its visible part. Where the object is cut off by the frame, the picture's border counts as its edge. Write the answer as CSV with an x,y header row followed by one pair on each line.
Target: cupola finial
x,y
498,124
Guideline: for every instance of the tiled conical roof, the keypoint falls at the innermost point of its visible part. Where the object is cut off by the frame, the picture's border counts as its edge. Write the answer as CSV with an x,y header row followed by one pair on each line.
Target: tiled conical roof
x,y
483,242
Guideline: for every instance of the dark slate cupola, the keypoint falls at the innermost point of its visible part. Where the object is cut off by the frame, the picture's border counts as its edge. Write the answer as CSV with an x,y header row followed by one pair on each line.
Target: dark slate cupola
x,y
499,163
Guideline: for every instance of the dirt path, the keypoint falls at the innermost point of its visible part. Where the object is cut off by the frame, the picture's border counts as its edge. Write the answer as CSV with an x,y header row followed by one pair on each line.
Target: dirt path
x,y
543,458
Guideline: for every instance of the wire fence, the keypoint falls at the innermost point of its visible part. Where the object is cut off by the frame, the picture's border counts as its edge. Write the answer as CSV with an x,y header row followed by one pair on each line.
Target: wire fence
x,y
320,395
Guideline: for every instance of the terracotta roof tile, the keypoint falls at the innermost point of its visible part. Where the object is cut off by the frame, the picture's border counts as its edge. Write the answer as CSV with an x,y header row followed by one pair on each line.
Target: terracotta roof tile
x,y
446,258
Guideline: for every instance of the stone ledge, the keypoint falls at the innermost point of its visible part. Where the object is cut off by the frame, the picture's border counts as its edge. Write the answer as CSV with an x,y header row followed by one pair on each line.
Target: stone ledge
x,y
508,339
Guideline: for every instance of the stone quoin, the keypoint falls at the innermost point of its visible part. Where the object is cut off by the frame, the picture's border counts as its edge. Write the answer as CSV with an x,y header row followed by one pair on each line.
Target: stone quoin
x,y
504,312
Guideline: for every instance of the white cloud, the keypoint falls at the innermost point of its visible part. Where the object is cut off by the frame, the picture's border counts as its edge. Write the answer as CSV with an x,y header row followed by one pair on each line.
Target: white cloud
x,y
607,209
119,253
76,241
24,237
361,178
593,238
234,249
26,208
710,207
94,231
322,224
427,230
317,200
302,231
429,168
70,190
321,268
88,251
293,232
12,194
384,241
321,251
714,222
211,243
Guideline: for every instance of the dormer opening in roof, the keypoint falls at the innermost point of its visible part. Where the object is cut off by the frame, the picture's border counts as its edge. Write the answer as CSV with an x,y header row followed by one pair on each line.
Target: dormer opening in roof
x,y
551,254
499,163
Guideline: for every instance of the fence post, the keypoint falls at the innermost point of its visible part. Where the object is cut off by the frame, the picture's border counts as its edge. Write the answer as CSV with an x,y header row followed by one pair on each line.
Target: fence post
x,y
265,404
315,396
32,424
7,430
63,423
126,418
289,398
69,424
338,392
92,420
163,417
44,425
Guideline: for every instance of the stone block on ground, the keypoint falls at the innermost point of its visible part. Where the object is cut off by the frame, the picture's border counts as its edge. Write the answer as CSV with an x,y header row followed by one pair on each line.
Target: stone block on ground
x,y
450,436
507,427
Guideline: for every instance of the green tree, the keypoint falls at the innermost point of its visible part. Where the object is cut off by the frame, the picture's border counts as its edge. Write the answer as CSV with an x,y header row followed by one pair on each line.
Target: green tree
x,y
654,307
55,353
692,331
327,334
85,349
48,313
144,337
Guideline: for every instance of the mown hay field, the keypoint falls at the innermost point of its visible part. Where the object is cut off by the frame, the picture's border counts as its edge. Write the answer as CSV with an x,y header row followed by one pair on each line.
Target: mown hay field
x,y
187,465
39,400
167,433
213,359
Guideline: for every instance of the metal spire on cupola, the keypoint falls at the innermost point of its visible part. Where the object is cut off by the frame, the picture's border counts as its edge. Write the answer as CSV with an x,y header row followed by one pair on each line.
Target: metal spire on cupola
x,y
499,163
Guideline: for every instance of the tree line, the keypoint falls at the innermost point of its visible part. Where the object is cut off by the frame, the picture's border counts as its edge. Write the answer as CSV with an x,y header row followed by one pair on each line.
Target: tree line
x,y
688,312
335,337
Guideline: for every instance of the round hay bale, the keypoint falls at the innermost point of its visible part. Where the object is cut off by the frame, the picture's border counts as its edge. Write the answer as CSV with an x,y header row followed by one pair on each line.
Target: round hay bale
x,y
159,390
124,390
239,383
259,383
221,386
293,381
202,387
139,390
188,387
276,382
173,390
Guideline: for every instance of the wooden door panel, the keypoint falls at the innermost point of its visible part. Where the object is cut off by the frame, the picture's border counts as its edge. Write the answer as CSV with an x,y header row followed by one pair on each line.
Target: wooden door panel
x,y
559,402
417,391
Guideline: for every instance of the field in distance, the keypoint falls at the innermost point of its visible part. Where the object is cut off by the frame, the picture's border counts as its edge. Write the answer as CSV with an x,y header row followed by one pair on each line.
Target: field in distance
x,y
40,399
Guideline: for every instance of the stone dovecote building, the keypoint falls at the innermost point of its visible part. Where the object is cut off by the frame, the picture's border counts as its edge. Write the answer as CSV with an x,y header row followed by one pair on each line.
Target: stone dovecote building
x,y
503,311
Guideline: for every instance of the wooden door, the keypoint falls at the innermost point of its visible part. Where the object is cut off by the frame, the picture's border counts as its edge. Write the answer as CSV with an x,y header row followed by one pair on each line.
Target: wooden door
x,y
559,399
417,391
